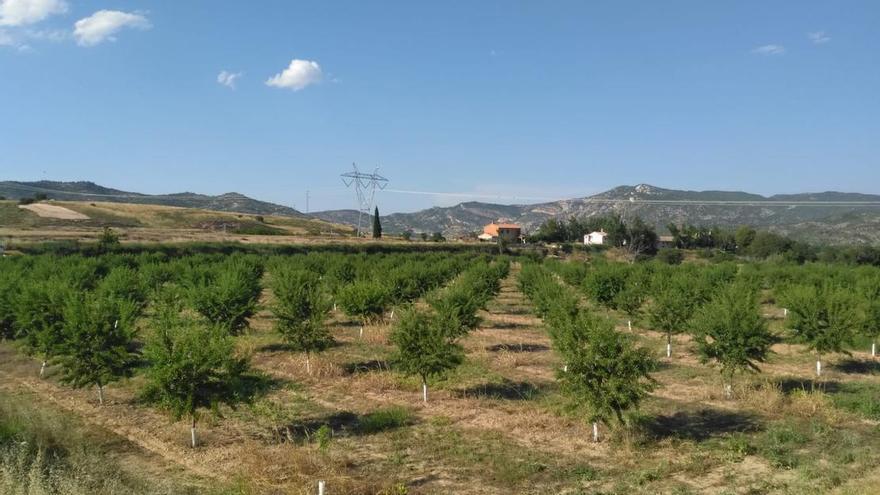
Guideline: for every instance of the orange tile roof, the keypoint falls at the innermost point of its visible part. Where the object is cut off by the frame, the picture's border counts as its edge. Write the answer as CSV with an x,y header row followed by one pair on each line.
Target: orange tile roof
x,y
492,228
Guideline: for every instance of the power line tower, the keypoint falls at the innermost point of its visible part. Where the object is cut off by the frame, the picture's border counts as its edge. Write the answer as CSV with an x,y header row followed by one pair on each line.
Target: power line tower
x,y
365,186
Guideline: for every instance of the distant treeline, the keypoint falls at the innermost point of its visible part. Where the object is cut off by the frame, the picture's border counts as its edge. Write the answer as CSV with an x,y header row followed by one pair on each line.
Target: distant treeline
x,y
743,241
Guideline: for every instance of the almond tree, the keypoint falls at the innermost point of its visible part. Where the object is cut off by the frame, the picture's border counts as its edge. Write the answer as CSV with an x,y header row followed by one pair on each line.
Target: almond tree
x,y
673,305
365,300
824,318
606,374
869,289
96,348
300,309
424,347
730,331
228,298
39,316
193,366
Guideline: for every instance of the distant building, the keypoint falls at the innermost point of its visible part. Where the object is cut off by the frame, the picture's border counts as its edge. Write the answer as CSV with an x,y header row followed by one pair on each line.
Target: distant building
x,y
506,231
665,241
595,238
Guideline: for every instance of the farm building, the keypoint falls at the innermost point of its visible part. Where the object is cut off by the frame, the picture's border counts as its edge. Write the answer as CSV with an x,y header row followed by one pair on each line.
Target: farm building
x,y
505,231
595,238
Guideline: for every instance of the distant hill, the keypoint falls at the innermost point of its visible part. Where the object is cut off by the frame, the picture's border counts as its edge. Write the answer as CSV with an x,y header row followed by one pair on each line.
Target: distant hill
x,y
827,217
89,191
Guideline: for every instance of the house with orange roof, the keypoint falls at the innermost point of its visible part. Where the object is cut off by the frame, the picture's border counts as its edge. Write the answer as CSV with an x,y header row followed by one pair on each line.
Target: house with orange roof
x,y
505,231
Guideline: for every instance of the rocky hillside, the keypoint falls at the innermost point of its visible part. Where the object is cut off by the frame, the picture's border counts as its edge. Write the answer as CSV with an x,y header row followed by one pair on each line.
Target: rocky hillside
x,y
828,217
89,191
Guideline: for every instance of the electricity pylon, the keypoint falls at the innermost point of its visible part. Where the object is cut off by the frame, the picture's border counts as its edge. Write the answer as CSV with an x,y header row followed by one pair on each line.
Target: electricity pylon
x,y
365,186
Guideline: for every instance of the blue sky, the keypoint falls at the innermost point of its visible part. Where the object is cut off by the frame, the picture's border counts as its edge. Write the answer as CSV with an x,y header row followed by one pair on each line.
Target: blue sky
x,y
503,101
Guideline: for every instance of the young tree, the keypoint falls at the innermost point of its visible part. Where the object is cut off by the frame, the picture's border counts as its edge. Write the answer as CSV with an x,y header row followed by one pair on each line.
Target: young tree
x,y
824,318
39,316
673,306
869,290
630,301
227,299
606,374
300,309
366,300
108,241
377,224
424,347
97,341
730,331
193,366
8,289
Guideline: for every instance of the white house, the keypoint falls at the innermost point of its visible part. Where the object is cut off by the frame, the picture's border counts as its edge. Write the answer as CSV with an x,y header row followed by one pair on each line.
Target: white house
x,y
595,238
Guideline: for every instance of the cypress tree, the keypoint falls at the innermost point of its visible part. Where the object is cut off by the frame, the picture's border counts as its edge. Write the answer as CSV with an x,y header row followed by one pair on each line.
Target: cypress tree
x,y
377,224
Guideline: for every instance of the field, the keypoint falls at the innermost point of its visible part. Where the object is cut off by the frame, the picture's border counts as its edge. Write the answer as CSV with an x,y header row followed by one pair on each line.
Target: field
x,y
85,221
498,422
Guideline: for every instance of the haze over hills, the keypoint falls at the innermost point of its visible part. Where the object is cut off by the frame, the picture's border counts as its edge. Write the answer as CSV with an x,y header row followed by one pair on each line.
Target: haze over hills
x,y
89,191
829,217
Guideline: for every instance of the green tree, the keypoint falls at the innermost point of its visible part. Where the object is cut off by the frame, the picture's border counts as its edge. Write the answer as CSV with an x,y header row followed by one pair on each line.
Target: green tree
x,y
641,239
825,318
193,366
39,317
424,347
96,348
227,299
300,309
108,240
605,374
730,331
365,300
377,224
869,289
407,235
744,237
672,307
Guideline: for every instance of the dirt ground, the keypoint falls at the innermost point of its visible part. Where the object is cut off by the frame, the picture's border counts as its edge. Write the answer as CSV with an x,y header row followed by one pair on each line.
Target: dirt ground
x,y
54,211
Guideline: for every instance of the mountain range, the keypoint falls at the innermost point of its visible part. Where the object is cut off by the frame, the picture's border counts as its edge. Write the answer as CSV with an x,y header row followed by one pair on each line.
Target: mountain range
x,y
89,191
826,217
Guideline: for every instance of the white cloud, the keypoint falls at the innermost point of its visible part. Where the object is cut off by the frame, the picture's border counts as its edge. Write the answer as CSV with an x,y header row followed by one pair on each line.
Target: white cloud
x,y
819,37
104,24
228,78
298,75
769,50
21,12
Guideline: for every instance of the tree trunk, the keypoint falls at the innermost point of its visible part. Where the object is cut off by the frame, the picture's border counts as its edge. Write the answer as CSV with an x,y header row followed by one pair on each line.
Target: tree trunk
x,y
308,364
595,431
42,369
100,394
424,390
728,391
361,334
629,325
668,345
192,431
819,366
874,349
